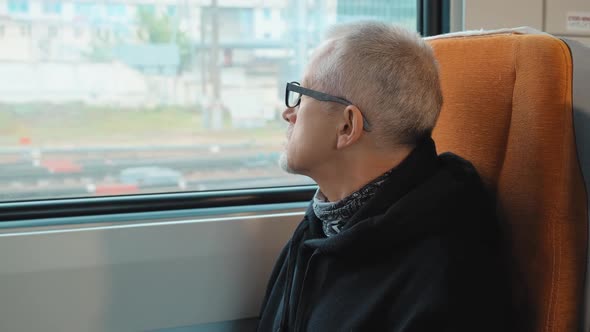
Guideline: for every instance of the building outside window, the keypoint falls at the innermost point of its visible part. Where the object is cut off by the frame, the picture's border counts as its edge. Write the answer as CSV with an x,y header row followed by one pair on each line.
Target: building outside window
x,y
116,9
53,31
84,9
25,30
402,12
18,6
147,8
171,10
52,7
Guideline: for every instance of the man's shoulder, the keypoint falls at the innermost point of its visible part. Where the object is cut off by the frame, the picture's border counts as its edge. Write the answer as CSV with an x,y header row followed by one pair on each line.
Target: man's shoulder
x,y
461,169
451,204
456,188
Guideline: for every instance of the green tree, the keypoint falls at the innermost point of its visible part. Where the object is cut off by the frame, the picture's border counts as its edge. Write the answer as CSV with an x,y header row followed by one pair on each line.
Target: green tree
x,y
100,49
163,29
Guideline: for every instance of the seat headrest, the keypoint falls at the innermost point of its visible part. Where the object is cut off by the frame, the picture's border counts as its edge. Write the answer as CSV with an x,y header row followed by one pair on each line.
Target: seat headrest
x,y
508,109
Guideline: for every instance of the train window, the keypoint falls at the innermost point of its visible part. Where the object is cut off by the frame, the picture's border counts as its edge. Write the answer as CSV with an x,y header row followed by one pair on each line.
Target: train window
x,y
162,96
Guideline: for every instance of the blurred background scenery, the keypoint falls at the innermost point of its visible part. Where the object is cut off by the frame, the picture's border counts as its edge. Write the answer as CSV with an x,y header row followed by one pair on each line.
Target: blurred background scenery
x,y
139,96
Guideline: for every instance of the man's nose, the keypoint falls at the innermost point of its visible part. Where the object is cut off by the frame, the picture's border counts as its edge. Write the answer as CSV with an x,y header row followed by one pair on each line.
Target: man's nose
x,y
290,115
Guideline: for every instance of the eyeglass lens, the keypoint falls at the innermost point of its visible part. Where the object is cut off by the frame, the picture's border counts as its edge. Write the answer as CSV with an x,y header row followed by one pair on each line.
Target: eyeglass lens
x,y
293,98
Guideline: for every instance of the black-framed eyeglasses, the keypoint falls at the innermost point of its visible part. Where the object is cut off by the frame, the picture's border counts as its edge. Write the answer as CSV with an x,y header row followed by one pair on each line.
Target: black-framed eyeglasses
x,y
294,91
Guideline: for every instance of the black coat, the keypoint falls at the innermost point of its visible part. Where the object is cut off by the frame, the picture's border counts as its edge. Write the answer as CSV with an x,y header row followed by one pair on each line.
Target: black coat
x,y
424,254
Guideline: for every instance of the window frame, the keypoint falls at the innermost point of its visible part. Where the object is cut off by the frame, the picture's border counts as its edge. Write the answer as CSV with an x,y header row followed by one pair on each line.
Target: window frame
x,y
430,20
108,205
433,17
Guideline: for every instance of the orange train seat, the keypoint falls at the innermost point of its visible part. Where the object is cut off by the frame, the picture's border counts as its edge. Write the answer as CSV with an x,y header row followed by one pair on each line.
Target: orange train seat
x,y
509,109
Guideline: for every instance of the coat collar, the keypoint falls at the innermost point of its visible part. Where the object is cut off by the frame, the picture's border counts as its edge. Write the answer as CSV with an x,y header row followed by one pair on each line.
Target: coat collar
x,y
418,166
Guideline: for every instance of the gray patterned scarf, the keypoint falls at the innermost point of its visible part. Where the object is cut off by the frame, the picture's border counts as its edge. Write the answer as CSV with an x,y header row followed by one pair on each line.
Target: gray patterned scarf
x,y
334,215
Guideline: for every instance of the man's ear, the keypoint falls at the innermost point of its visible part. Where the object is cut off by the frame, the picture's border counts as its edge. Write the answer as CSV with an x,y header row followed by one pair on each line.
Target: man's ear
x,y
350,128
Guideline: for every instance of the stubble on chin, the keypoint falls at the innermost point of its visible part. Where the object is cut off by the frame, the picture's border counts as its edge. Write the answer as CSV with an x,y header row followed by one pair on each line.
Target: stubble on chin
x,y
284,158
284,163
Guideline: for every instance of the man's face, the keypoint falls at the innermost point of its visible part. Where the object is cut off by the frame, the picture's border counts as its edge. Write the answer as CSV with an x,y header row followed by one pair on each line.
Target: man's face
x,y
311,136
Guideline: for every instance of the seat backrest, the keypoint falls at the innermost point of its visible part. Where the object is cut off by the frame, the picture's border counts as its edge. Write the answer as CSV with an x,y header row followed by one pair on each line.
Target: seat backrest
x,y
508,109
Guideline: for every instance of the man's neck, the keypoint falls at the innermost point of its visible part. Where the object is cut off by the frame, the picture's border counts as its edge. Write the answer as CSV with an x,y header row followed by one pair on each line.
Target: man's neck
x,y
340,180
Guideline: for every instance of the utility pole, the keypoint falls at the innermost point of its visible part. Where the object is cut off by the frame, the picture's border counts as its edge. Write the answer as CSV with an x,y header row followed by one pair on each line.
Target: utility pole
x,y
195,54
301,33
202,57
216,104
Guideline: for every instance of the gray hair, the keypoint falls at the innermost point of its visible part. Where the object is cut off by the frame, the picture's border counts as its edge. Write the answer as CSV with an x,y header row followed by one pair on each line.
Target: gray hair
x,y
388,72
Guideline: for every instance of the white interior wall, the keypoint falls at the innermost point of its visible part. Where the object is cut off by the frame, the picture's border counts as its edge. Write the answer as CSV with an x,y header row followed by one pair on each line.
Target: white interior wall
x,y
547,15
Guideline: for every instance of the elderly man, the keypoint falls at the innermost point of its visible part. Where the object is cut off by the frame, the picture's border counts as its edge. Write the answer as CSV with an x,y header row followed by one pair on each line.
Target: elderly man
x,y
397,238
